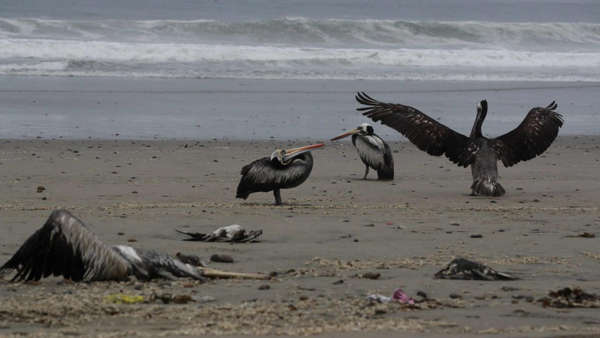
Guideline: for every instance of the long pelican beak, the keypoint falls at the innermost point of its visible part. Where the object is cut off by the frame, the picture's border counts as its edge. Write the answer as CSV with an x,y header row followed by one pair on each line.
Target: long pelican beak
x,y
289,153
346,134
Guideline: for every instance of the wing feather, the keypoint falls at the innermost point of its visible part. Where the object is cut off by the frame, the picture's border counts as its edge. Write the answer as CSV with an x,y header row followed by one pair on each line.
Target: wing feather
x,y
426,133
257,172
531,138
370,149
387,156
164,266
265,175
63,246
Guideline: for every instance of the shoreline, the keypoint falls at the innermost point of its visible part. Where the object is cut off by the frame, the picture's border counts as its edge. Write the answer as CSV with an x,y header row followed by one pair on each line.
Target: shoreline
x,y
237,109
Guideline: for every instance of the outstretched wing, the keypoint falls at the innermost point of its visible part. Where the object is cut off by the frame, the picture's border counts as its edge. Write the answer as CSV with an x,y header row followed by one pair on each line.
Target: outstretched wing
x,y
423,131
531,138
230,233
63,246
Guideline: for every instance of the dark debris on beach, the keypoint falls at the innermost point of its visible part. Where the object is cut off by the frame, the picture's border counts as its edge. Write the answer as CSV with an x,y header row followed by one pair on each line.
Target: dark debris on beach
x,y
570,298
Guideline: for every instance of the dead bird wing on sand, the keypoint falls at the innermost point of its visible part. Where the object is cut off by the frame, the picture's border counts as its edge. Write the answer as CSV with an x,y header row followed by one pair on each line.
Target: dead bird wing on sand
x,y
65,247
460,268
230,233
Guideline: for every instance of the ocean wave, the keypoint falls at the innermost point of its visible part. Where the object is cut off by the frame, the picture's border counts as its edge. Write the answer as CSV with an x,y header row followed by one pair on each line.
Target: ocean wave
x,y
297,48
406,65
314,32
117,52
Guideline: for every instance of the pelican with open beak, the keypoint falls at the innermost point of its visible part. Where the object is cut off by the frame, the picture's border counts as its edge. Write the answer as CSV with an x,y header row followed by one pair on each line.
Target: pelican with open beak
x,y
373,151
284,169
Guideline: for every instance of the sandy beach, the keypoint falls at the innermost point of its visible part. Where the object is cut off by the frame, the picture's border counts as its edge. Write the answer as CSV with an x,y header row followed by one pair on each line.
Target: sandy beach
x,y
137,117
333,229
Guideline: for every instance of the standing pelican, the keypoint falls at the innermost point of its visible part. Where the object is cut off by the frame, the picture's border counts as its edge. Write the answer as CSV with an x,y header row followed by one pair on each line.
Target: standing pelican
x,y
531,138
373,151
283,170
63,246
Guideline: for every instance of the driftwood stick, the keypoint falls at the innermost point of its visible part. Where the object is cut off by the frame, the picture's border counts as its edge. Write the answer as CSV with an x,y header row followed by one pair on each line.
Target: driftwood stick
x,y
214,273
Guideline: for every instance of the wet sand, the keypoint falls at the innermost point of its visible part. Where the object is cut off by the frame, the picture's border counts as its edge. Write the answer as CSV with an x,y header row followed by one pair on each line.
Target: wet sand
x,y
237,109
335,227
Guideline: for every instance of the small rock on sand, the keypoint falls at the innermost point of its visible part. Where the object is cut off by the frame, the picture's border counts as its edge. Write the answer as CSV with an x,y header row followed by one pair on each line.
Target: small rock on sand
x,y
204,299
371,275
219,258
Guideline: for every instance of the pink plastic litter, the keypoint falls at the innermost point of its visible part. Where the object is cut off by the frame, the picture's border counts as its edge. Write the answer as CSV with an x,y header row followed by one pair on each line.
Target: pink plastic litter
x,y
402,297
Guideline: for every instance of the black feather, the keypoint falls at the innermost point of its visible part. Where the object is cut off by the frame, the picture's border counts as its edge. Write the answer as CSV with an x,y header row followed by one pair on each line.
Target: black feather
x,y
426,133
265,175
531,138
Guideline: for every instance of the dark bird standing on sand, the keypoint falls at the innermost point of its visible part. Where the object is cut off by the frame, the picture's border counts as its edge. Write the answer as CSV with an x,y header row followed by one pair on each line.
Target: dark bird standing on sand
x,y
64,246
373,151
283,170
531,138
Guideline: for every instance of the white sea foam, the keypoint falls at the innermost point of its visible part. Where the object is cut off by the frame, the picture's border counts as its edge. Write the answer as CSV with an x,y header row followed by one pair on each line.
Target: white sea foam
x,y
171,52
302,48
76,57
295,31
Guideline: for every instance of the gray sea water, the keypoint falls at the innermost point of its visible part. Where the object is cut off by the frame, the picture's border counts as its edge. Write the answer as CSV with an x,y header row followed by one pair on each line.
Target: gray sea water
x,y
257,69
242,109
489,40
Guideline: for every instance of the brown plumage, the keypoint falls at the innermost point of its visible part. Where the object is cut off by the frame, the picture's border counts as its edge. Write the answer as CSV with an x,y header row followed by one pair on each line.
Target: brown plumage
x,y
531,138
426,133
284,169
63,246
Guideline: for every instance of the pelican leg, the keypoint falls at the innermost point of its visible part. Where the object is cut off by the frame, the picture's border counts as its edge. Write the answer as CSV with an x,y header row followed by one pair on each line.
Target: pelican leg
x,y
277,194
366,172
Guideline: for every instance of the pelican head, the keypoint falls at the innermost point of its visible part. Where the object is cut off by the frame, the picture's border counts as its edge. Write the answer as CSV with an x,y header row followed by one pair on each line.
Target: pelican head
x,y
285,156
482,108
363,129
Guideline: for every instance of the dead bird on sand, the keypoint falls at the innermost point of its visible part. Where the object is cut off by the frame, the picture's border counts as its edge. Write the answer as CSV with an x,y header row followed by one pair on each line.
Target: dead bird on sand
x,y
65,247
460,268
231,233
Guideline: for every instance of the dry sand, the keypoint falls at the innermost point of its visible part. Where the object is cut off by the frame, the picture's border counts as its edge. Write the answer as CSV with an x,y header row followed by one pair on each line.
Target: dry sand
x,y
334,227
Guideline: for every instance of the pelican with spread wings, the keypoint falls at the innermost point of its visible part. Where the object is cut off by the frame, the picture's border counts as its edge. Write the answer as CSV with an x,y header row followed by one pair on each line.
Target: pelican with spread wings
x,y
531,138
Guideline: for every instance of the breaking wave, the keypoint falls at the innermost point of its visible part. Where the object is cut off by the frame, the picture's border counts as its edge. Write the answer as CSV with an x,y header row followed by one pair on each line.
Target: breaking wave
x,y
330,32
302,48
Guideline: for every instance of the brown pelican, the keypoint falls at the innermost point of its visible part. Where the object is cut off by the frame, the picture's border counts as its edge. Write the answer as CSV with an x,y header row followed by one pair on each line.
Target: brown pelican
x,y
284,169
373,151
531,138
63,246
